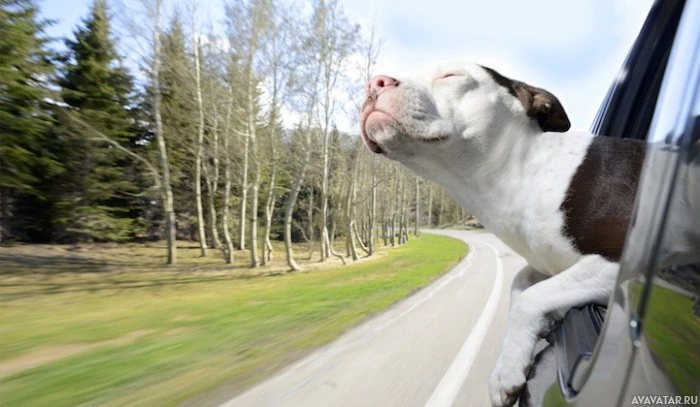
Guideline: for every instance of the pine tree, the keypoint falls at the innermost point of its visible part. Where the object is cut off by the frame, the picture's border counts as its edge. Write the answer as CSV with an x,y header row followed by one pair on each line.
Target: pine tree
x,y
178,113
27,145
97,88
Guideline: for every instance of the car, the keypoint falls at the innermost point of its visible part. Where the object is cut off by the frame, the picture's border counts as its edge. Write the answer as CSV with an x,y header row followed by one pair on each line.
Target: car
x,y
644,346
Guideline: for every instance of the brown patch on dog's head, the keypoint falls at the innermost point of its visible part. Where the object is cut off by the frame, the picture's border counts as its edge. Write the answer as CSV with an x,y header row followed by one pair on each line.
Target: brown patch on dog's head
x,y
538,103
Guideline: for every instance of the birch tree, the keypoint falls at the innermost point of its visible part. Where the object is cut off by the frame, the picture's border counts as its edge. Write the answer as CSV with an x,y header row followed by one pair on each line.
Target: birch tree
x,y
430,204
148,35
369,51
247,23
217,114
276,53
199,149
441,207
170,228
304,85
296,186
228,248
211,172
350,200
232,88
416,223
333,35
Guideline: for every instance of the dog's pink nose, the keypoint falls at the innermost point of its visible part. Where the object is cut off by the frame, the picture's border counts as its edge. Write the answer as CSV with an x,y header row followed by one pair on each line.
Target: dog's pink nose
x,y
380,83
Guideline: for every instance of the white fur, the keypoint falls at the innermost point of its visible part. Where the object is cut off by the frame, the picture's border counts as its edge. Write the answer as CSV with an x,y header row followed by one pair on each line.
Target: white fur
x,y
498,164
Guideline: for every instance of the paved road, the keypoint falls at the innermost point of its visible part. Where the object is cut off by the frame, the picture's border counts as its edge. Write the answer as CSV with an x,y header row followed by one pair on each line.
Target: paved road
x,y
436,348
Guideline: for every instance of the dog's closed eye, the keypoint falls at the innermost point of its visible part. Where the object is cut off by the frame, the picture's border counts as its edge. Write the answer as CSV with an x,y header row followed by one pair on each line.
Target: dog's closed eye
x,y
448,75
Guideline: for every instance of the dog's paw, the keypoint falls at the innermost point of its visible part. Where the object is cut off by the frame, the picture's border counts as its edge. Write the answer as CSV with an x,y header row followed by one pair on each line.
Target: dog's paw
x,y
508,381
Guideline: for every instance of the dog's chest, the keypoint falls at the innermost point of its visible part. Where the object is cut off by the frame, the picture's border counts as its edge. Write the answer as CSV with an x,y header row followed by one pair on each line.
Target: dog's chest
x,y
521,202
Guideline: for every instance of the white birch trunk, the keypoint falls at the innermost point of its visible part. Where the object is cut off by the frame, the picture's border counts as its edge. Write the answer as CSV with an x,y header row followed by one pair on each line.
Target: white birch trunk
x,y
255,187
373,207
170,228
416,225
291,203
349,207
269,211
430,205
244,193
225,226
214,186
201,233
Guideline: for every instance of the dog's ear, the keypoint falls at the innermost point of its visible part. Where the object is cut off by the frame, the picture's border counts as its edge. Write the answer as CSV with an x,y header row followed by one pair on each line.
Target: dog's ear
x,y
539,104
543,107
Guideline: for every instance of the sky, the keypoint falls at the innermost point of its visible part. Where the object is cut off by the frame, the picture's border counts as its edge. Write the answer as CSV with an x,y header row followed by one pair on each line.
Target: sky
x,y
572,48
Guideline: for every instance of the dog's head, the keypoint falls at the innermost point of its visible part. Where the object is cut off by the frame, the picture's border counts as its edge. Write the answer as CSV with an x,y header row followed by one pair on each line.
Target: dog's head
x,y
454,111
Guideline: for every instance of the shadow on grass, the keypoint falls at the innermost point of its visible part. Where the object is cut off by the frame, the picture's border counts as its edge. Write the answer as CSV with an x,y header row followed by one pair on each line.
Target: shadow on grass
x,y
22,289
49,264
110,269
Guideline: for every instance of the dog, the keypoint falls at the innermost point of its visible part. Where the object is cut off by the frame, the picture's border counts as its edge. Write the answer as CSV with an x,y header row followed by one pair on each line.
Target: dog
x,y
503,150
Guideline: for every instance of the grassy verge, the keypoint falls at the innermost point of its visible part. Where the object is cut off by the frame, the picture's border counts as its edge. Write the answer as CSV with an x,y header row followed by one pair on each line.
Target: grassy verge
x,y
672,331
161,336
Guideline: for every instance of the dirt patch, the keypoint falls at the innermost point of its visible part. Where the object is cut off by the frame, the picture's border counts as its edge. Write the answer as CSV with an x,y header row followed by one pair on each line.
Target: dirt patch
x,y
177,332
54,353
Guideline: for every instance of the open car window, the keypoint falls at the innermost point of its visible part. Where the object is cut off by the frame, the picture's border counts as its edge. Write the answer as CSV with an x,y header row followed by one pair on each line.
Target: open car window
x,y
629,106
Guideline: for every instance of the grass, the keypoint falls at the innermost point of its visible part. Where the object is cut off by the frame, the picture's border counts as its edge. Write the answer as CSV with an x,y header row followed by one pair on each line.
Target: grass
x,y
110,326
672,330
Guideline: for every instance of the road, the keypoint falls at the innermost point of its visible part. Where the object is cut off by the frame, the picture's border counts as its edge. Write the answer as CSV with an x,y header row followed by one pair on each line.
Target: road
x,y
435,348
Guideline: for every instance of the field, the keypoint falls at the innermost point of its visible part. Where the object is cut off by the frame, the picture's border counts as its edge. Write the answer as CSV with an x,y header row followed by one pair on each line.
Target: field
x,y
110,325
672,331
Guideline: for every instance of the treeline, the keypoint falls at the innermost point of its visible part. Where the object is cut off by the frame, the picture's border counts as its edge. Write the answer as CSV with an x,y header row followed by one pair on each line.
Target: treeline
x,y
224,138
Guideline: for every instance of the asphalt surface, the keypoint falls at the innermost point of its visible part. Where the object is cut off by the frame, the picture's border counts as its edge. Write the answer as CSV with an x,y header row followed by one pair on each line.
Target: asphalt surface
x,y
436,348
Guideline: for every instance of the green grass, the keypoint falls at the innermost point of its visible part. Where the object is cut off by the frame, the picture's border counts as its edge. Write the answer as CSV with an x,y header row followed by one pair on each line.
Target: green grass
x,y
161,336
672,330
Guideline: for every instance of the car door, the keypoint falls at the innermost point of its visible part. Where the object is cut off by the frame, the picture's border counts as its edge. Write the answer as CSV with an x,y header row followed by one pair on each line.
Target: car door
x,y
648,344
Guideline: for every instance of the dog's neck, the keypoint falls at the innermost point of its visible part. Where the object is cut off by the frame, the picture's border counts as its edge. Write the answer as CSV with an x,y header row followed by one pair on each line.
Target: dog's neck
x,y
511,181
487,166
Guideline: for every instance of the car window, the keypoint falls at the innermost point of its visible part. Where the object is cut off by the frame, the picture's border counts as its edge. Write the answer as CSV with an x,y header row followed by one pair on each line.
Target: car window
x,y
629,106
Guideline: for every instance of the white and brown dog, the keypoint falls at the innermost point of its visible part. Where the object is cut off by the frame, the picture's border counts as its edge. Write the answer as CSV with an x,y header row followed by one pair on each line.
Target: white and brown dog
x,y
562,201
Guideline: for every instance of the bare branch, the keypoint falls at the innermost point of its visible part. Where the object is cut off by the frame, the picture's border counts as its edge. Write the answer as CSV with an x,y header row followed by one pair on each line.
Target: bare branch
x,y
104,138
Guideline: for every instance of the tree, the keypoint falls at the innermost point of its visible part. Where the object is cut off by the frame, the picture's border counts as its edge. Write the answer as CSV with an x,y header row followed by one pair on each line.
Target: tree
x,y
416,224
304,85
199,153
27,145
334,38
248,22
232,83
350,199
96,86
178,114
150,33
369,49
430,204
276,51
167,192
207,122
217,123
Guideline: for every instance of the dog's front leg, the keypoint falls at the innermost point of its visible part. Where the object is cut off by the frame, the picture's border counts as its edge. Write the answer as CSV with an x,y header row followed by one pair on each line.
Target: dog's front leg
x,y
534,311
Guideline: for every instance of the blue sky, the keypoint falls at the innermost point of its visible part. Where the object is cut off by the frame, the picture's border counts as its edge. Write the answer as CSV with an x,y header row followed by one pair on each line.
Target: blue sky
x,y
572,48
